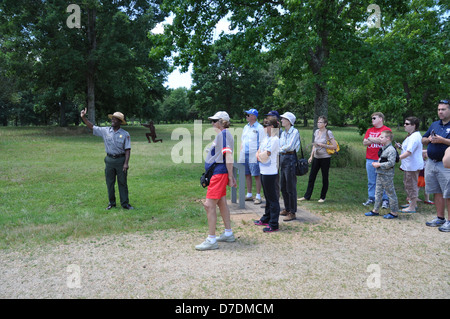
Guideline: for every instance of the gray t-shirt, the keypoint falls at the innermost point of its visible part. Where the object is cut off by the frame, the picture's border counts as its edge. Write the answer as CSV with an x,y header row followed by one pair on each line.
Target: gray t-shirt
x,y
115,142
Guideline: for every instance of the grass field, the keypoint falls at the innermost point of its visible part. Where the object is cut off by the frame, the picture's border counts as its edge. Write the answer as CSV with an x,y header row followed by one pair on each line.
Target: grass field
x,y
52,184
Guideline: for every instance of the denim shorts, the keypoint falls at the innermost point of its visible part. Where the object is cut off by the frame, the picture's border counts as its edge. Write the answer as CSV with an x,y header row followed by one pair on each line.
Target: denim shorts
x,y
252,169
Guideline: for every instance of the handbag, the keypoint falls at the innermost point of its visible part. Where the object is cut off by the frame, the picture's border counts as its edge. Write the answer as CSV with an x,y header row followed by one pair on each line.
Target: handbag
x,y
205,179
330,151
301,165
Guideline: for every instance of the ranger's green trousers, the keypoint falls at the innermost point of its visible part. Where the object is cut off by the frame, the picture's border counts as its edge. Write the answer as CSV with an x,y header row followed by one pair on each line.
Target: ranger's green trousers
x,y
113,168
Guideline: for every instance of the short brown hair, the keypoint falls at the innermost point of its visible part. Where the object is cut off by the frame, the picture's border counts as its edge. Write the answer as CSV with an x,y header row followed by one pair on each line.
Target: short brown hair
x,y
379,114
271,120
414,121
389,134
324,119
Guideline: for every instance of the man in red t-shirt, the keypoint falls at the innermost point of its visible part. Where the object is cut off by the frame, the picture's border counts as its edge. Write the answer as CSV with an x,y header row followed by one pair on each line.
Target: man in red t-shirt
x,y
373,143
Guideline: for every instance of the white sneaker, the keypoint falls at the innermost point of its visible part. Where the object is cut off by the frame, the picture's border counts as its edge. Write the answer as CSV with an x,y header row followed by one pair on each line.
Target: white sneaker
x,y
321,200
445,227
224,238
207,245
368,202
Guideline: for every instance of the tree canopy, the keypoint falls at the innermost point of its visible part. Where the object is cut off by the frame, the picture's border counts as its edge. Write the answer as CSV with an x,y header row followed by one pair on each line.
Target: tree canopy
x,y
312,57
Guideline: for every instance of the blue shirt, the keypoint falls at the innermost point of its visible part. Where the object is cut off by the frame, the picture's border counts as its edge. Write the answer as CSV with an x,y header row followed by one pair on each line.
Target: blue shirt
x,y
223,143
436,151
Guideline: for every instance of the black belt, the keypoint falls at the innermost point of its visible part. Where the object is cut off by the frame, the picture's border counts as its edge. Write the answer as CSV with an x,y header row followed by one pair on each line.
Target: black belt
x,y
288,153
115,156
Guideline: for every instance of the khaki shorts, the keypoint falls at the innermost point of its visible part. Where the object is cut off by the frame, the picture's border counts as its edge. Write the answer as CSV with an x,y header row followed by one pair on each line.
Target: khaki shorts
x,y
410,181
437,179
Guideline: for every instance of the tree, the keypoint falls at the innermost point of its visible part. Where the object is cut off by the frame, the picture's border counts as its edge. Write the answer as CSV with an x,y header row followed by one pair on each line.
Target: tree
x,y
309,35
222,84
110,60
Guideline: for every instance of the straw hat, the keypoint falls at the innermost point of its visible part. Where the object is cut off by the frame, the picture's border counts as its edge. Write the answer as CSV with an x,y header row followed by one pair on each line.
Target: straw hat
x,y
119,116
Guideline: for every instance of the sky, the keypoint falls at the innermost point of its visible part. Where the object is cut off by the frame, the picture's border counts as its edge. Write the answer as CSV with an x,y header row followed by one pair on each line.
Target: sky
x,y
177,79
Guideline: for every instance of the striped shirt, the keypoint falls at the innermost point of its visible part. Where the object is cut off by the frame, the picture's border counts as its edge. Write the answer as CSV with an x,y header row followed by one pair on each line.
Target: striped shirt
x,y
290,140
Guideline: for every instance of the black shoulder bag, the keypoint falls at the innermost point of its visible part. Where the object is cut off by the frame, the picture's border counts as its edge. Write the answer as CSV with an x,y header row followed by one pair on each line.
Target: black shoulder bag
x,y
301,165
206,176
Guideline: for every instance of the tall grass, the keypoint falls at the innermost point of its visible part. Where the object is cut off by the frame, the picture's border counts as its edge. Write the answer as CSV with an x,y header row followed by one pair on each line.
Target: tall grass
x,y
52,184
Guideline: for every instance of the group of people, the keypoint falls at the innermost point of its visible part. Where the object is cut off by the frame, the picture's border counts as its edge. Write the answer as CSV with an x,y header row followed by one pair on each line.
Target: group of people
x,y
269,153
381,157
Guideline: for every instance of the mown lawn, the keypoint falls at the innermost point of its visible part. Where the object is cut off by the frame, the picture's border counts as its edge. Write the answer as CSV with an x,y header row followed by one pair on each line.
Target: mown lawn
x,y
52,185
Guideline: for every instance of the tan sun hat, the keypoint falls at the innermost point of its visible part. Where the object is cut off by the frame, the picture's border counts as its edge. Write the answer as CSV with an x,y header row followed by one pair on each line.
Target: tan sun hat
x,y
119,116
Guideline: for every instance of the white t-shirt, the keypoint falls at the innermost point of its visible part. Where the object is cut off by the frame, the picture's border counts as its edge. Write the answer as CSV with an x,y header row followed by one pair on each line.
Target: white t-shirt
x,y
413,144
271,144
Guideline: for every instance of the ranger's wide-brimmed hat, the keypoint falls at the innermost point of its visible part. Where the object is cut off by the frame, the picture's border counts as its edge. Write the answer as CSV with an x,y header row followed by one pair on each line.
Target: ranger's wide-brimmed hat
x,y
119,116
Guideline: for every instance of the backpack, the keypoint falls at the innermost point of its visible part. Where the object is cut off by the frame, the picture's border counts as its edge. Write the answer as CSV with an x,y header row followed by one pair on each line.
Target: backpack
x,y
384,159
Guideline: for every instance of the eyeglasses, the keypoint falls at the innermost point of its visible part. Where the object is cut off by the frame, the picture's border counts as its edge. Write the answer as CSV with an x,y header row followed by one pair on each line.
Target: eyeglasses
x,y
406,124
444,102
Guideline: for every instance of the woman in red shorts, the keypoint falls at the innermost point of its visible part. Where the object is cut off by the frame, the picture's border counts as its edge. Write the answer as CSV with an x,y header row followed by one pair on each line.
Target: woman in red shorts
x,y
220,154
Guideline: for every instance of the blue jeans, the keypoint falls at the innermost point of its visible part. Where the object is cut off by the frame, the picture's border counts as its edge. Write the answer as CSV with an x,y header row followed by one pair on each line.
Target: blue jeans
x,y
372,180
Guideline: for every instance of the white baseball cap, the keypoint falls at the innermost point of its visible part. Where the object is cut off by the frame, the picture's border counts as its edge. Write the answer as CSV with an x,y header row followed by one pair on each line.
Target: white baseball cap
x,y
220,115
291,117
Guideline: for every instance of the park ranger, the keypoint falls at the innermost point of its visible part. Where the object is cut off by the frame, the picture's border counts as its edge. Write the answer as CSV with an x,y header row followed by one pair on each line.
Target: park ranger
x,y
117,146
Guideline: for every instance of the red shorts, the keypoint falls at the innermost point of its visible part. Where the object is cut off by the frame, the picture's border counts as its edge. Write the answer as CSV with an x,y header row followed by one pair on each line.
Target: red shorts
x,y
217,186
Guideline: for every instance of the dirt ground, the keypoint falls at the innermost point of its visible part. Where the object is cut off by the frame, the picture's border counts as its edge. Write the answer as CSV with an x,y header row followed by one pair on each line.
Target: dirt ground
x,y
323,255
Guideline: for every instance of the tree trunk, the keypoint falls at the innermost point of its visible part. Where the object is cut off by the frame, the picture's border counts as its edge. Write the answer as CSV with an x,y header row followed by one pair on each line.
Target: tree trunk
x,y
62,112
92,38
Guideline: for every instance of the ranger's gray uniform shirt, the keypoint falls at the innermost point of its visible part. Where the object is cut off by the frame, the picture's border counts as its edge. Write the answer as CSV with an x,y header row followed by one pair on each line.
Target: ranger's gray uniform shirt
x,y
115,142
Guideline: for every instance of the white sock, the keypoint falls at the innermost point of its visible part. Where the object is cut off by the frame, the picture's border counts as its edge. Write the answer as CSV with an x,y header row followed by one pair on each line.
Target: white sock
x,y
258,196
228,232
249,195
212,239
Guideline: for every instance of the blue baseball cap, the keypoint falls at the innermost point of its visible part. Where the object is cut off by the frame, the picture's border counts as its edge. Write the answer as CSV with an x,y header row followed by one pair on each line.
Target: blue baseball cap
x,y
274,113
252,111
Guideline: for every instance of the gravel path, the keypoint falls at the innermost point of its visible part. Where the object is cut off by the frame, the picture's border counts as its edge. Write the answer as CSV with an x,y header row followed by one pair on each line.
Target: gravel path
x,y
328,255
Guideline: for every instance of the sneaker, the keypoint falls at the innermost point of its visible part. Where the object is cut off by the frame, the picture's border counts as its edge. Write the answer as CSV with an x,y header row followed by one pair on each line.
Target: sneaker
x,y
207,245
269,230
284,212
249,199
289,217
429,202
435,222
321,200
302,199
445,227
257,201
226,239
385,204
368,202
260,223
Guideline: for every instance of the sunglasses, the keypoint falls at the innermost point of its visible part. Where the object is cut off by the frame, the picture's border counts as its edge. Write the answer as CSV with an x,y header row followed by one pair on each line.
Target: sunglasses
x,y
407,124
214,121
444,102
374,118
